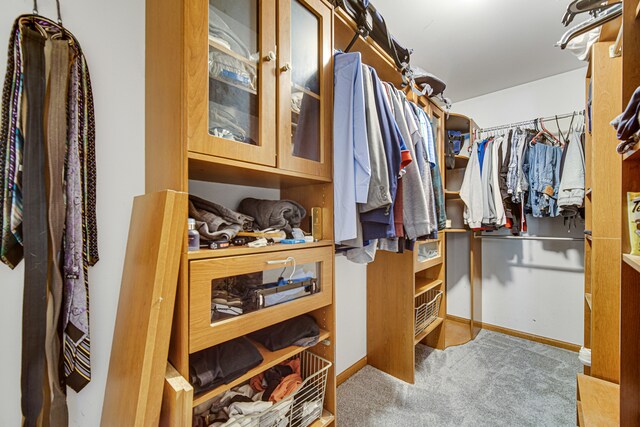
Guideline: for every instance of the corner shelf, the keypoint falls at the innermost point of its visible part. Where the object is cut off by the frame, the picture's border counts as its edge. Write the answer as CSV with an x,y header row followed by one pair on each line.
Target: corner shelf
x,y
271,359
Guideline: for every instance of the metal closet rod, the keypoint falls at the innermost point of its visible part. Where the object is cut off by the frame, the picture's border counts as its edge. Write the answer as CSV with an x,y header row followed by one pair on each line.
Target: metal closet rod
x,y
529,122
561,239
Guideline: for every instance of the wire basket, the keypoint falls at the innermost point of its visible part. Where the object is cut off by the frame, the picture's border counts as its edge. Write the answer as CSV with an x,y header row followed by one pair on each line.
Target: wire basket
x,y
302,407
427,309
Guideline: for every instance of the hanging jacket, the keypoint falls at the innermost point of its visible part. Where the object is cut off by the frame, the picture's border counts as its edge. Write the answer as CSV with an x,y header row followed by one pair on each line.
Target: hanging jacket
x,y
495,181
471,190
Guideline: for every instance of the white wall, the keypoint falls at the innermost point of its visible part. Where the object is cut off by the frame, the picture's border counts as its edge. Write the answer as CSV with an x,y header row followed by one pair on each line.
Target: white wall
x,y
530,286
112,37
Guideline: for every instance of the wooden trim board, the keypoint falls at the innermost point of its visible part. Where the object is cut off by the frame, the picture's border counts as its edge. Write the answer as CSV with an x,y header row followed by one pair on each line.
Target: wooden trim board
x,y
524,335
351,370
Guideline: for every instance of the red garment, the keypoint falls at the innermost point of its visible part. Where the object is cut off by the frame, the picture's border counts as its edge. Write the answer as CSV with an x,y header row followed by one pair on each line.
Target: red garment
x,y
397,212
288,385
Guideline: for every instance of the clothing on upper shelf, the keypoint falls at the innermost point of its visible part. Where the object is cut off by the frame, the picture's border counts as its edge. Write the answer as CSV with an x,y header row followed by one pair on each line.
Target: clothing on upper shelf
x,y
302,331
520,172
214,221
386,164
279,214
627,124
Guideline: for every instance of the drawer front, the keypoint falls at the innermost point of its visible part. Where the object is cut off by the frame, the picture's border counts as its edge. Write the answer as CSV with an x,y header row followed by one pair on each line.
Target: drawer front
x,y
234,316
428,253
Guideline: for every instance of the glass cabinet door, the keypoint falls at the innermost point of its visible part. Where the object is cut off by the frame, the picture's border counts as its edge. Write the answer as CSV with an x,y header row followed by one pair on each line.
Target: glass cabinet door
x,y
305,85
239,88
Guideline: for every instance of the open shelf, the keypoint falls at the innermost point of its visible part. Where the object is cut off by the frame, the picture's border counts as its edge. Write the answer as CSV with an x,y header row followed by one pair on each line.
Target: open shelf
x,y
633,261
456,230
633,154
587,298
243,250
271,359
326,419
425,285
422,335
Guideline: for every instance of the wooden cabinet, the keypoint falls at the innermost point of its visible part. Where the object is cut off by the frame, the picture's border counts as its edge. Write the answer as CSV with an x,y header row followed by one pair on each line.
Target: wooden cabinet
x,y
257,82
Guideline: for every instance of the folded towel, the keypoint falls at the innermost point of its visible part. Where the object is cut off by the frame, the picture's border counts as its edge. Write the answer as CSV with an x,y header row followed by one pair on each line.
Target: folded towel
x,y
280,214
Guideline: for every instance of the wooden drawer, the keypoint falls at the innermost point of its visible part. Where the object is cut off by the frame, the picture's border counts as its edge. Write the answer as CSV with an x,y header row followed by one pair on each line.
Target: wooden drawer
x,y
422,254
203,333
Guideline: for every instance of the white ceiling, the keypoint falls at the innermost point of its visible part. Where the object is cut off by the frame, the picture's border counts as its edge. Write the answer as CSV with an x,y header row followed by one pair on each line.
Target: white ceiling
x,y
481,46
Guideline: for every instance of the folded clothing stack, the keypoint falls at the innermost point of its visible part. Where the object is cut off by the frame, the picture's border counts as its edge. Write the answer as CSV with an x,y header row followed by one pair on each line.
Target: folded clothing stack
x,y
302,331
279,214
215,222
627,124
223,363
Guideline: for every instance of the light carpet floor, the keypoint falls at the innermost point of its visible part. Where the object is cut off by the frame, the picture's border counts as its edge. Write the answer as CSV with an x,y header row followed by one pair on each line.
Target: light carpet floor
x,y
495,380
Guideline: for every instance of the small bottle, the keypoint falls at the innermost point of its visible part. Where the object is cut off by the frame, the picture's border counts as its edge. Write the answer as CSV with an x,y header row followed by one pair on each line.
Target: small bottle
x,y
194,236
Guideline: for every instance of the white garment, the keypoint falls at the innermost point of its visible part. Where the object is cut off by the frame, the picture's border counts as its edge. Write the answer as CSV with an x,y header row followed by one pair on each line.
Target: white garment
x,y
471,190
572,191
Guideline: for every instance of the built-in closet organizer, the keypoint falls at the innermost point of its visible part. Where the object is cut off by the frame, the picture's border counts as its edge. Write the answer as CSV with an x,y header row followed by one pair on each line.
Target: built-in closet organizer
x,y
406,293
256,114
462,262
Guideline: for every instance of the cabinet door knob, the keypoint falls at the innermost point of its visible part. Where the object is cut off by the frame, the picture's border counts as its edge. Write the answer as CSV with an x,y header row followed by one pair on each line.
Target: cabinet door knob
x,y
286,67
271,56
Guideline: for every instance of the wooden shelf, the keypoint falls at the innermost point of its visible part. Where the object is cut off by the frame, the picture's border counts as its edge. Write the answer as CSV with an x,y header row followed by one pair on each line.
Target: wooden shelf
x,y
456,230
425,285
326,419
634,153
633,261
235,85
422,335
214,44
599,402
587,298
204,167
271,359
243,250
451,194
305,90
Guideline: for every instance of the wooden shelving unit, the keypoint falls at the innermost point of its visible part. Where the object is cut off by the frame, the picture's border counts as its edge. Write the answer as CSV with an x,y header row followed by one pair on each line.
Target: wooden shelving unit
x,y
603,206
466,331
180,148
390,310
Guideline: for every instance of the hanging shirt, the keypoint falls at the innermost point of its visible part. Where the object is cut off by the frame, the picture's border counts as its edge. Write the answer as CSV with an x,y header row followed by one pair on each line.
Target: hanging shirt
x,y
379,223
352,169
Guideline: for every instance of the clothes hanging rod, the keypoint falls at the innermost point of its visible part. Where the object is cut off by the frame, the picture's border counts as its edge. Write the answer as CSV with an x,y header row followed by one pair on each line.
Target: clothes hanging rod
x,y
560,239
530,122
